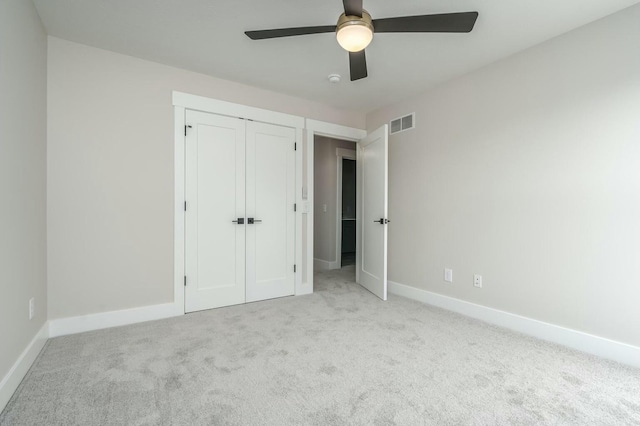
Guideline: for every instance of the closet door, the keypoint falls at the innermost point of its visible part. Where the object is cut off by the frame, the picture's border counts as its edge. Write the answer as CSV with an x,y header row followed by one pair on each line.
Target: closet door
x,y
270,206
215,230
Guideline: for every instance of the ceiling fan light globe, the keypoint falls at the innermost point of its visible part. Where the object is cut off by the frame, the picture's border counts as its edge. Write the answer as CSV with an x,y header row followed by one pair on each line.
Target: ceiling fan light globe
x,y
354,37
354,33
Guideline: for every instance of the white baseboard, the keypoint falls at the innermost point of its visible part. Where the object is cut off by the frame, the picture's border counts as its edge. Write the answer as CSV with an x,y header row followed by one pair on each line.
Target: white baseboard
x,y
610,349
14,376
64,326
325,265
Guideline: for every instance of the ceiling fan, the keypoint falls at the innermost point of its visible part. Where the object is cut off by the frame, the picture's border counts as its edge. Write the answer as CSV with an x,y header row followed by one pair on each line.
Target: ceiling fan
x,y
355,29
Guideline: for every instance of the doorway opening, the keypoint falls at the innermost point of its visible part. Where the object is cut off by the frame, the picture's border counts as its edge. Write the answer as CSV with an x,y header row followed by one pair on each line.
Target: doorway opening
x,y
348,243
334,204
371,152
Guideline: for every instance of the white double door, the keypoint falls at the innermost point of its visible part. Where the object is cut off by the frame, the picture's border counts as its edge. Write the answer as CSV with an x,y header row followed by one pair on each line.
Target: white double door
x,y
240,219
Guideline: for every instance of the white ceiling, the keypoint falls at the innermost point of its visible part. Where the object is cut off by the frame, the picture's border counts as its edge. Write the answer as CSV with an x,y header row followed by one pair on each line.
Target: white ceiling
x,y
207,36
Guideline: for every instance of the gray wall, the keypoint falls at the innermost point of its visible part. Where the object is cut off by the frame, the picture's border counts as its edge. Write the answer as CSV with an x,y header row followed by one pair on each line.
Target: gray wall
x,y
110,173
325,192
528,172
23,79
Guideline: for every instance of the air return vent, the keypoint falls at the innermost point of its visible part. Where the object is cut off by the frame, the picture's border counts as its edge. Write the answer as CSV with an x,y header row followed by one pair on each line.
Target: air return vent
x,y
403,123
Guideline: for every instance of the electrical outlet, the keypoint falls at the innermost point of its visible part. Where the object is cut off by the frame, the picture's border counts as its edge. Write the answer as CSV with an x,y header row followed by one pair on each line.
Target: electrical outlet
x,y
448,275
32,308
477,281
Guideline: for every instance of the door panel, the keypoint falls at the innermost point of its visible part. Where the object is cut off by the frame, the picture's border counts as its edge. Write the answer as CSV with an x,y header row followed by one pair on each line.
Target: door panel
x,y
270,200
215,192
371,261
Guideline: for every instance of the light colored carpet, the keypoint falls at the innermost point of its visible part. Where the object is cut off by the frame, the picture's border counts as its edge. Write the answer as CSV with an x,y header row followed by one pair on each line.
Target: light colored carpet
x,y
337,357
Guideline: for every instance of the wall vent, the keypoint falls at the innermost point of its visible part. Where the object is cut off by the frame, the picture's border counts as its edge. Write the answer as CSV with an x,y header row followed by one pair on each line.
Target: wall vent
x,y
403,123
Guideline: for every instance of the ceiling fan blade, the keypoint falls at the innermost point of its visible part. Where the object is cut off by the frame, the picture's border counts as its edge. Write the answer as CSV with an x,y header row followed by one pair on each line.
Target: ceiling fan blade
x,y
357,65
353,7
288,32
443,23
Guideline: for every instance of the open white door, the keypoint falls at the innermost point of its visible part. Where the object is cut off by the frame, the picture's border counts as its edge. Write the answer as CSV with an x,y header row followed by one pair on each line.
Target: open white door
x,y
372,205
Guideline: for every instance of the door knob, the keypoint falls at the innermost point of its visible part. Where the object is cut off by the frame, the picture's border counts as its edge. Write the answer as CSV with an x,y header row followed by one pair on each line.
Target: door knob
x,y
239,221
382,221
251,221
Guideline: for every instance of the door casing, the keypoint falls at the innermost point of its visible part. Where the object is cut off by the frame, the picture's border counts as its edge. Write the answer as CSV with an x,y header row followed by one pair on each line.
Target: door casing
x,y
319,128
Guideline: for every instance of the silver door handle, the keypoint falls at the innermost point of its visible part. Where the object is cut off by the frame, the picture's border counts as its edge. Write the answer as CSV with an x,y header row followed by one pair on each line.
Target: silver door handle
x,y
251,221
239,221
382,221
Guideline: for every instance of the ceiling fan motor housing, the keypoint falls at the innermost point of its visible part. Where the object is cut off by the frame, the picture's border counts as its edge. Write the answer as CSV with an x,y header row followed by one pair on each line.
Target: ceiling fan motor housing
x,y
345,20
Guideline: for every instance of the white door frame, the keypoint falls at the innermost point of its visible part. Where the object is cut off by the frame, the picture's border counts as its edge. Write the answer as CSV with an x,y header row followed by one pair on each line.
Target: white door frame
x,y
336,131
185,101
341,154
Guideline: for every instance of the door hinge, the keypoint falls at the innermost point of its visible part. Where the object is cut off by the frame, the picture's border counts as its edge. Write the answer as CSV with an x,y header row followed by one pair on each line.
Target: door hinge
x,y
185,280
185,129
185,206
295,207
294,268
295,146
